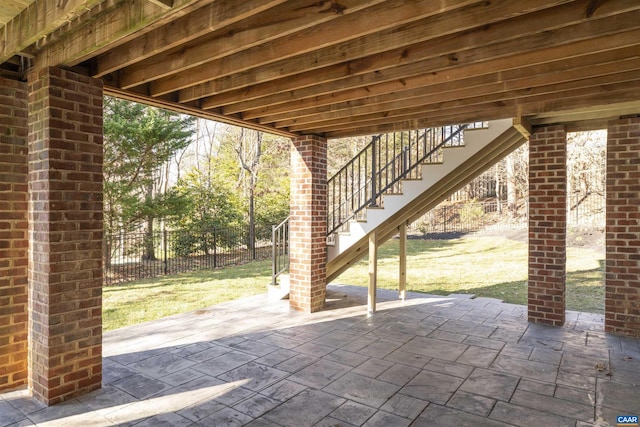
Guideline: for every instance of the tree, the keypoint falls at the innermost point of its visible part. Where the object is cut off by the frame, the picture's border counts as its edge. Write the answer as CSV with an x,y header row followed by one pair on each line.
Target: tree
x,y
208,203
516,177
249,151
343,150
138,141
259,165
586,162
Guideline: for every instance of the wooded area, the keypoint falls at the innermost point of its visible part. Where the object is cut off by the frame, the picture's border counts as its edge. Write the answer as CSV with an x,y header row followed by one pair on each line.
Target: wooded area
x,y
165,171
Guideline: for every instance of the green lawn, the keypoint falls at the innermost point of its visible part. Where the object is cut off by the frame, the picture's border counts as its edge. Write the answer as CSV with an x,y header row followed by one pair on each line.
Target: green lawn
x,y
485,266
149,299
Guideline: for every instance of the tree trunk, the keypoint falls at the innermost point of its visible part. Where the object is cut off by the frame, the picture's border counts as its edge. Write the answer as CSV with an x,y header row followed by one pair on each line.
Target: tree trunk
x,y
498,190
252,219
511,186
149,251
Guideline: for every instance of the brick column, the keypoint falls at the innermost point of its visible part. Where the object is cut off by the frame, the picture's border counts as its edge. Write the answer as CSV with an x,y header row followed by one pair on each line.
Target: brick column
x,y
547,225
308,224
65,226
622,282
14,239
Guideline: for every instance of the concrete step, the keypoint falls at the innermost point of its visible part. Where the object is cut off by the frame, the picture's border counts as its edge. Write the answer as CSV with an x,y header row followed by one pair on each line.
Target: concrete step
x,y
279,291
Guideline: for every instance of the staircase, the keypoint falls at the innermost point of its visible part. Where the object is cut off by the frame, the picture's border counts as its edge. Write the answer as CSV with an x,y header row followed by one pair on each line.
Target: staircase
x,y
412,173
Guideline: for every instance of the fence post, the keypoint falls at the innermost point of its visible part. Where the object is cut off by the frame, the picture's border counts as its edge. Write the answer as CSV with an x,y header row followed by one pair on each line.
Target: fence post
x,y
215,248
164,245
120,257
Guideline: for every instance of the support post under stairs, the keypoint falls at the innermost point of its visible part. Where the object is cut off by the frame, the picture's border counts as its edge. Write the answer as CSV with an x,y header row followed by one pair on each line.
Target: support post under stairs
x,y
402,276
373,272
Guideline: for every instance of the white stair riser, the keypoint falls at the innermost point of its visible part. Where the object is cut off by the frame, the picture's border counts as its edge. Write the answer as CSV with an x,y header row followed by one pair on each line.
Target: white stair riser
x,y
475,141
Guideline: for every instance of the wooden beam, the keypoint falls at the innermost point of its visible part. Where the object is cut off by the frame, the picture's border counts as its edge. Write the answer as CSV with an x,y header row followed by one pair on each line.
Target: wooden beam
x,y
37,21
587,115
404,62
197,112
580,68
280,22
402,264
390,48
373,273
585,63
198,23
105,27
597,98
517,54
352,25
523,99
476,62
165,4
464,92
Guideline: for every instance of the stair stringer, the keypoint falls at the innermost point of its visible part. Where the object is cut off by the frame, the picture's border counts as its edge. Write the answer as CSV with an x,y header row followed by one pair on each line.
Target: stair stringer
x,y
454,179
475,141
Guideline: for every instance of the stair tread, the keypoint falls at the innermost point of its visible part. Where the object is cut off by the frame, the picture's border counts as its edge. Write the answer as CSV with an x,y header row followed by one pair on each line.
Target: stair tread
x,y
393,206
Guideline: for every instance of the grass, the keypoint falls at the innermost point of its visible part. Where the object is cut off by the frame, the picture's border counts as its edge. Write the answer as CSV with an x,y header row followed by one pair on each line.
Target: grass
x,y
485,266
143,300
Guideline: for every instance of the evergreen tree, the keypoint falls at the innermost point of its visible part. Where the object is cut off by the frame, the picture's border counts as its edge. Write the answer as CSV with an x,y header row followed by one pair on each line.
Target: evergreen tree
x,y
138,141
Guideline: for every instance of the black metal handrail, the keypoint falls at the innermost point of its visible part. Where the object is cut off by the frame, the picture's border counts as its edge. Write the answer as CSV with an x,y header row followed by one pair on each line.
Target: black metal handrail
x,y
379,167
280,240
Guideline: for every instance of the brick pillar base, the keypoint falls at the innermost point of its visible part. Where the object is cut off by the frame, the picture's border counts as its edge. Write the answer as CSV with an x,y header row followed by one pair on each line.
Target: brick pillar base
x,y
547,225
14,240
65,226
308,224
622,283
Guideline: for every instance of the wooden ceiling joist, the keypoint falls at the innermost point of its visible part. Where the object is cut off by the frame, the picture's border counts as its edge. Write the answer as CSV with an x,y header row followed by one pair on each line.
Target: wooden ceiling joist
x,y
451,63
586,68
458,101
521,53
165,4
611,105
106,27
373,52
194,111
255,30
341,28
201,22
346,67
37,21
479,94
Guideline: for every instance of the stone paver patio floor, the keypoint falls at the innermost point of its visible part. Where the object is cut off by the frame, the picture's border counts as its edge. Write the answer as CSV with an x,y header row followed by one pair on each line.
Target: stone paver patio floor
x,y
426,361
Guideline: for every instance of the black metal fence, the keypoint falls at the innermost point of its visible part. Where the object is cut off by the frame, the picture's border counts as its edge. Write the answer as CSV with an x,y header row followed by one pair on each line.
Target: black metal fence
x,y
139,255
584,209
467,216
